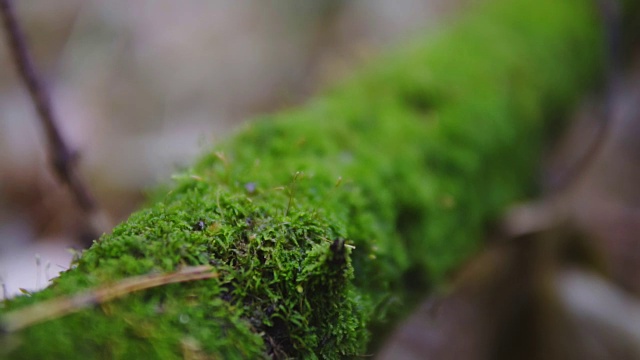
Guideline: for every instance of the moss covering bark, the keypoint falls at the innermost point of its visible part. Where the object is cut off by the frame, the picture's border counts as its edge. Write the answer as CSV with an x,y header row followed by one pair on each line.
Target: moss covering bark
x,y
323,223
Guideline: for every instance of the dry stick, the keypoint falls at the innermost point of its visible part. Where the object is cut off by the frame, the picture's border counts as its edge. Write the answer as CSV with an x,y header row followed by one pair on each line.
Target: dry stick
x,y
63,158
59,307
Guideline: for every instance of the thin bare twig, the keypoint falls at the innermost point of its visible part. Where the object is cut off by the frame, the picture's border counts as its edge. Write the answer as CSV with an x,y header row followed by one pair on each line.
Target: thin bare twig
x,y
63,157
56,308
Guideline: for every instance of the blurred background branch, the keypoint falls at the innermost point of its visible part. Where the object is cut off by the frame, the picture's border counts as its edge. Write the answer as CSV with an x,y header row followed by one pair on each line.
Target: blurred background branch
x,y
63,158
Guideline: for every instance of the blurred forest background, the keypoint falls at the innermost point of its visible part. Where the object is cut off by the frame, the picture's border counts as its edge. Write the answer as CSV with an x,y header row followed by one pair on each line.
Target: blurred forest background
x,y
141,87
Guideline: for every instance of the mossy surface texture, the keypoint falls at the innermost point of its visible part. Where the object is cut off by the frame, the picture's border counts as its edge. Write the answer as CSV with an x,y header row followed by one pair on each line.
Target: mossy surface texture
x,y
323,223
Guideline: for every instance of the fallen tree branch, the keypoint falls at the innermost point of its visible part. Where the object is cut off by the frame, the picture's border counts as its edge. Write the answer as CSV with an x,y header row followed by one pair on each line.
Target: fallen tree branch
x,y
427,148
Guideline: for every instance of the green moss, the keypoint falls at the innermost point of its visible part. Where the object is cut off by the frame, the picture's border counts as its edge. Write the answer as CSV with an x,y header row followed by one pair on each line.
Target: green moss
x,y
325,222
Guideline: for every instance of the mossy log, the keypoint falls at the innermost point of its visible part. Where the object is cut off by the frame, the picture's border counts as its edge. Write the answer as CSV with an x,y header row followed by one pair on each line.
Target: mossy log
x,y
322,224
